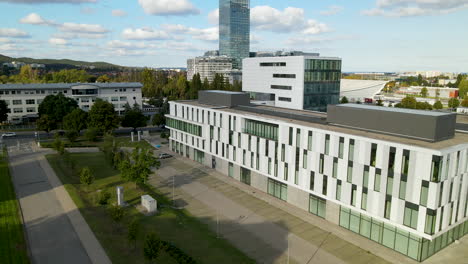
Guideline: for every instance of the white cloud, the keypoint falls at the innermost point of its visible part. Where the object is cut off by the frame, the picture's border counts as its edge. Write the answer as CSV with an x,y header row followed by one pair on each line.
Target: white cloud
x,y
168,7
5,40
288,20
87,10
82,28
316,40
58,41
207,34
11,48
407,8
13,33
118,44
144,34
35,19
119,13
332,10
48,1
78,36
213,17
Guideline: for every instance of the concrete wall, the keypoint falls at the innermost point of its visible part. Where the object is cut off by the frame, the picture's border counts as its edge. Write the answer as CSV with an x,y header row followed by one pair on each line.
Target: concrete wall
x,y
333,212
259,181
298,198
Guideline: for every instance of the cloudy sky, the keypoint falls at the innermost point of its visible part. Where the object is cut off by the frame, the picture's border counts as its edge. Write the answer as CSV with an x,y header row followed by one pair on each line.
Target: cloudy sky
x,y
370,35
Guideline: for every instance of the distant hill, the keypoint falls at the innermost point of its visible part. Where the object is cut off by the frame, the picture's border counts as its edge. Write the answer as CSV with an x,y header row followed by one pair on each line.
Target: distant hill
x,y
63,63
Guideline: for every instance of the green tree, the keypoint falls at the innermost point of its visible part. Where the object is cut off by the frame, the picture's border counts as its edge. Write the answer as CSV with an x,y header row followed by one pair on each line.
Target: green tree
x,y
133,230
409,102
92,134
380,102
453,103
59,146
344,100
72,135
57,107
206,84
218,82
3,111
182,87
438,105
103,116
424,92
464,103
195,86
159,119
76,120
46,124
156,102
463,88
86,176
152,247
134,118
137,167
103,79
237,86
149,83
70,76
116,213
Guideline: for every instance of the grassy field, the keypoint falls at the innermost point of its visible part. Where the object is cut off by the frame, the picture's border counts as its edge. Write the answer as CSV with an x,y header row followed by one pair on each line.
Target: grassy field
x,y
13,248
177,227
82,142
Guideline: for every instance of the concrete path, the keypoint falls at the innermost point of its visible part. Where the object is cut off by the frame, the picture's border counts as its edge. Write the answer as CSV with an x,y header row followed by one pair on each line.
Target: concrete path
x,y
56,231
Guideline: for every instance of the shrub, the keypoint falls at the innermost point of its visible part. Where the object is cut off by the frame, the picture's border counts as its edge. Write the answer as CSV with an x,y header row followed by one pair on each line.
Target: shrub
x,y
92,134
59,146
72,135
86,176
104,197
116,213
438,105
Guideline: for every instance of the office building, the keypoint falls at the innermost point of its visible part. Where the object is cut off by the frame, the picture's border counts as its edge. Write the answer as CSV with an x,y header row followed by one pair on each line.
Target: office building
x,y
208,67
398,177
234,30
297,82
24,99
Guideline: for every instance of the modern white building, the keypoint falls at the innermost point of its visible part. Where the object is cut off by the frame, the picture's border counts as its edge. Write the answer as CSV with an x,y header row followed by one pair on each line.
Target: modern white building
x,y
296,82
398,177
24,99
208,67
359,90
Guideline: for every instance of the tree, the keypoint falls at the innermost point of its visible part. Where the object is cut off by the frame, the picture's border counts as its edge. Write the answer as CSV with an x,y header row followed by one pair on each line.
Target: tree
x,y
206,84
137,167
344,100
72,135
76,120
103,79
134,118
152,247
218,82
86,176
182,87
464,103
159,119
3,111
59,146
116,213
91,134
103,116
149,83
453,103
57,107
133,229
463,89
409,102
380,102
46,124
438,105
237,86
156,102
424,92
195,86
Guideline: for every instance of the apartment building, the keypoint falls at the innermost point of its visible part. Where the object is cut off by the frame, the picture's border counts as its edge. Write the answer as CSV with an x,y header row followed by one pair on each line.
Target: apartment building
x,y
208,67
24,99
293,81
398,177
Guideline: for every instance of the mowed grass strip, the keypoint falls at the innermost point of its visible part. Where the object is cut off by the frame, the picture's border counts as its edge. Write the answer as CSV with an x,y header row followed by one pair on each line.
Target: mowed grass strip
x,y
177,227
13,248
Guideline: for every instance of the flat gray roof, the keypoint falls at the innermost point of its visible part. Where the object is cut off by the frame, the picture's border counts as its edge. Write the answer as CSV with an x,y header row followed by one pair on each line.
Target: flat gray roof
x,y
222,92
459,138
32,86
395,110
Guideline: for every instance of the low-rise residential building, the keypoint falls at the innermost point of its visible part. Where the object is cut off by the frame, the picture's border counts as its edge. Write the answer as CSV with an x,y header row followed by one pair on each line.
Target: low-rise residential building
x,y
398,177
24,99
307,82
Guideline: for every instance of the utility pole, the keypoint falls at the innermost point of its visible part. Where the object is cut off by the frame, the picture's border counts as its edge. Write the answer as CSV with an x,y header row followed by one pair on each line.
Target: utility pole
x,y
173,190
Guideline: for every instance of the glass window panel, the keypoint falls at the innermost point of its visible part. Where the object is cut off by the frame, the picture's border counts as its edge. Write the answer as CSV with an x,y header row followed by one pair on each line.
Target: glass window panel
x,y
388,239
413,249
376,233
401,242
365,229
344,218
354,222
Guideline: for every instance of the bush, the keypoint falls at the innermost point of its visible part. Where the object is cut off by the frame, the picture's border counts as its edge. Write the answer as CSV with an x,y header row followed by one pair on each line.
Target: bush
x,y
72,135
116,213
59,146
92,134
104,197
86,176
464,103
438,105
453,103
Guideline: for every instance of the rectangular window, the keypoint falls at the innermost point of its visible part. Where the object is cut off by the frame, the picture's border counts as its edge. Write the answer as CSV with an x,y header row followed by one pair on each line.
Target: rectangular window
x,y
283,152
245,176
405,162
272,64
317,206
286,172
378,176
298,137
391,160
424,193
388,207
278,189
231,170
304,159
17,102
373,157
341,148
325,185
430,221
327,144
312,181
269,166
281,87
389,185
335,168
289,76
441,190
364,199
436,168
291,136
30,101
365,178
353,195
261,129
338,190
284,99
350,172
321,163
411,215
351,150
309,141
402,192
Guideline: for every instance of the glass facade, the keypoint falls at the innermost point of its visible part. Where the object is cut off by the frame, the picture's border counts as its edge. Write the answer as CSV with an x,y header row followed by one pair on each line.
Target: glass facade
x,y
401,241
261,129
234,30
184,126
278,189
317,206
321,83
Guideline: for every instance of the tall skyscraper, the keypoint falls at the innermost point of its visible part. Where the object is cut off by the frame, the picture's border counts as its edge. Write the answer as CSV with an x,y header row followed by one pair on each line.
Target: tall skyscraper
x,y
234,30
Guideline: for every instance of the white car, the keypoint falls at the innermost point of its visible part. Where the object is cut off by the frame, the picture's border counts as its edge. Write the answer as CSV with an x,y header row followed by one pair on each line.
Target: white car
x,y
165,156
9,134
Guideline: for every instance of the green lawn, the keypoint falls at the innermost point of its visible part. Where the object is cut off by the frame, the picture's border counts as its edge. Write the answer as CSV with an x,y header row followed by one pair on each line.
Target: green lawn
x,y
82,142
13,248
177,227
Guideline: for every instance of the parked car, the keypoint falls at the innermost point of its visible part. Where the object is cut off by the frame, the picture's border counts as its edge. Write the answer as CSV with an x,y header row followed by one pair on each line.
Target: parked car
x,y
9,134
165,156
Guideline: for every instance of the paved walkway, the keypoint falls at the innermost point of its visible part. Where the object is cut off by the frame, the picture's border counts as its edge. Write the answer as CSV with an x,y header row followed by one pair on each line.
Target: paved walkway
x,y
56,231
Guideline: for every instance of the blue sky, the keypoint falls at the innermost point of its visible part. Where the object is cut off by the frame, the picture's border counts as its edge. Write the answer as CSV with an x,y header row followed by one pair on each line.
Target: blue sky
x,y
370,35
